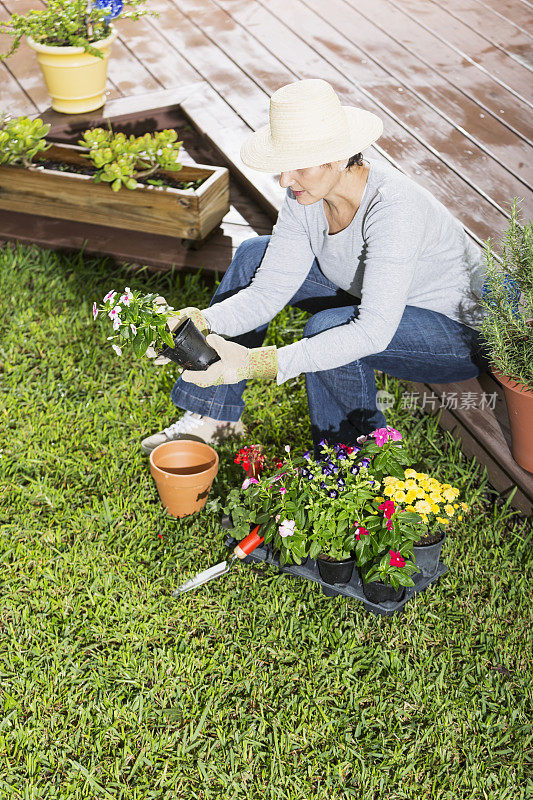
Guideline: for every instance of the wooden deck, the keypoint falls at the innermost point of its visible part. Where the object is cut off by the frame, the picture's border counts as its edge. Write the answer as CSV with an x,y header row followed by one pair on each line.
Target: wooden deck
x,y
451,80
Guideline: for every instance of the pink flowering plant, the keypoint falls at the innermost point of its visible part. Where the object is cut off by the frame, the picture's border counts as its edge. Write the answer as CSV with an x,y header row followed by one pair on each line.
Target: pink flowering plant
x,y
138,320
308,507
385,536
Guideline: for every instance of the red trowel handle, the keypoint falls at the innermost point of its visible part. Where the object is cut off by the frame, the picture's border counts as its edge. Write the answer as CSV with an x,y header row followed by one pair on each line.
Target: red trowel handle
x,y
248,544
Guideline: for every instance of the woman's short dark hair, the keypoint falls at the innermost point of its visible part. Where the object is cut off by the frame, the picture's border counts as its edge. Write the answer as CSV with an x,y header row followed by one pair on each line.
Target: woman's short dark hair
x,y
356,160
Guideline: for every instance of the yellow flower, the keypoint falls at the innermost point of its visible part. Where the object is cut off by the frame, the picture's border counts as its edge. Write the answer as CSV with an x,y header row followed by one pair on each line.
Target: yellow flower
x,y
450,494
399,497
424,517
460,517
410,473
446,486
435,509
456,505
410,496
424,485
379,499
420,493
435,497
410,508
411,484
449,510
421,475
464,507
388,480
422,506
389,491
444,521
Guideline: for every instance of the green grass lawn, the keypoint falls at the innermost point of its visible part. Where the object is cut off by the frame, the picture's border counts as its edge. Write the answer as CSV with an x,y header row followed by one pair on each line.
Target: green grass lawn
x,y
256,685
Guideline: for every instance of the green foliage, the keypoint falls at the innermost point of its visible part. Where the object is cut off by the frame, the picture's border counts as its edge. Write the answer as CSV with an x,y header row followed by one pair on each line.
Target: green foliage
x,y
508,337
138,320
256,685
64,23
122,160
320,507
21,139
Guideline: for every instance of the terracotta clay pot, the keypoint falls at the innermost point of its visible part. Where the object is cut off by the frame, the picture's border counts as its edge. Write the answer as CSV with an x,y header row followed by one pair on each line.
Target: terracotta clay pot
x,y
519,400
183,471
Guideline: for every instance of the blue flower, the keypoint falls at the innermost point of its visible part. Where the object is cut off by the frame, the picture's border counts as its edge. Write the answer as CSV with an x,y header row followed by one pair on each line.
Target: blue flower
x,y
341,482
365,462
310,477
323,443
333,493
323,485
354,470
341,455
114,6
305,472
326,470
307,455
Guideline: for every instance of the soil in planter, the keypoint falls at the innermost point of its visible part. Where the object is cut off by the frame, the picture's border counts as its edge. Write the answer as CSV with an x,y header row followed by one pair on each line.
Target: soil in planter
x,y
168,183
432,538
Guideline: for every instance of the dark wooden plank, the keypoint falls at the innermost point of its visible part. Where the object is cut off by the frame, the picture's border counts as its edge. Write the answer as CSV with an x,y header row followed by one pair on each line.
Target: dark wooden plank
x,y
462,75
163,252
485,431
13,98
434,131
498,31
408,72
466,203
470,45
516,12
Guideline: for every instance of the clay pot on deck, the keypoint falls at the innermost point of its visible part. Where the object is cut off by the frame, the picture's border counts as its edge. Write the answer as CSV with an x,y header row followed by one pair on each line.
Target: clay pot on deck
x,y
183,471
75,79
519,400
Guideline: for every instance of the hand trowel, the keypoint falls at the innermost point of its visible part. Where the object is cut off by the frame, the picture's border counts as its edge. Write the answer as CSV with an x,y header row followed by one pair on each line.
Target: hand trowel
x,y
240,551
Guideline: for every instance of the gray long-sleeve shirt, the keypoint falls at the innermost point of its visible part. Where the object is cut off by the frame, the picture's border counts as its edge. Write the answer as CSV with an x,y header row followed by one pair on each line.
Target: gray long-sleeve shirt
x,y
403,247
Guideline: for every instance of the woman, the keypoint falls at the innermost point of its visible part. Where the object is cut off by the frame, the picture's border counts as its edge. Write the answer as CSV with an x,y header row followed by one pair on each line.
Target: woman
x,y
388,274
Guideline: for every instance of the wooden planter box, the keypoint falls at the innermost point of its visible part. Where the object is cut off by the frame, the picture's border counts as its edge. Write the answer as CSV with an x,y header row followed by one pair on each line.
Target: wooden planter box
x,y
184,213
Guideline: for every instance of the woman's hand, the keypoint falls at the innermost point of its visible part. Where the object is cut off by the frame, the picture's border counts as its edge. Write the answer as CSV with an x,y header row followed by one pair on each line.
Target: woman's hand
x,y
236,363
190,312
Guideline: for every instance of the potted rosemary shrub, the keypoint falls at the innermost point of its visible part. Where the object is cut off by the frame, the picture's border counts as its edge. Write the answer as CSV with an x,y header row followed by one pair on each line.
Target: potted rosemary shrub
x,y
123,182
507,328
72,40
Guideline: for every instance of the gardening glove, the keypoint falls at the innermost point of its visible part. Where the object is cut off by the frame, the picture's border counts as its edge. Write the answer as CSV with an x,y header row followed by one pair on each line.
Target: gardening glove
x,y
186,313
236,363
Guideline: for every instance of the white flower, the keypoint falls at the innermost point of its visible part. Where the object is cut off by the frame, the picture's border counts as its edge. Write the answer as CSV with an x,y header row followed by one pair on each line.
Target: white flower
x,y
127,297
133,329
287,448
117,322
117,349
114,312
287,528
95,311
109,296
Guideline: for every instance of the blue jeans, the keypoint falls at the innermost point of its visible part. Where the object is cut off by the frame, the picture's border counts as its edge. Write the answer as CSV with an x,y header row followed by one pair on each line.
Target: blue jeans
x,y
428,347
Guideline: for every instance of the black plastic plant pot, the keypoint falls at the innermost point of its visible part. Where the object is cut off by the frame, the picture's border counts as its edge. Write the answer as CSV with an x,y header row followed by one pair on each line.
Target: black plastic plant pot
x,y
333,572
427,556
190,350
379,592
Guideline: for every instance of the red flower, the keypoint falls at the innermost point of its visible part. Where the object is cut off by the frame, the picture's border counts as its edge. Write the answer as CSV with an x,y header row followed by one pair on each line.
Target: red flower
x,y
395,559
388,508
389,525
360,532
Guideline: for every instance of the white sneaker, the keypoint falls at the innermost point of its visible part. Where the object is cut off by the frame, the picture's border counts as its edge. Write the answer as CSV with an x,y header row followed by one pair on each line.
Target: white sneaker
x,y
194,426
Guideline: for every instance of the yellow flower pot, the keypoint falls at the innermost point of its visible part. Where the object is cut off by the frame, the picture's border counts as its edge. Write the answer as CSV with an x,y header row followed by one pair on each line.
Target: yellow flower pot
x,y
75,79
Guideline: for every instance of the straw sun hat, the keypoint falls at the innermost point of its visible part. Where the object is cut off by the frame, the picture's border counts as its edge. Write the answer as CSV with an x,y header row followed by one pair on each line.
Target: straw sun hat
x,y
309,126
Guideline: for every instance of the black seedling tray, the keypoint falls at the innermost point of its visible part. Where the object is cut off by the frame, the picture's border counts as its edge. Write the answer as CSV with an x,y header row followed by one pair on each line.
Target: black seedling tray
x,y
309,571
